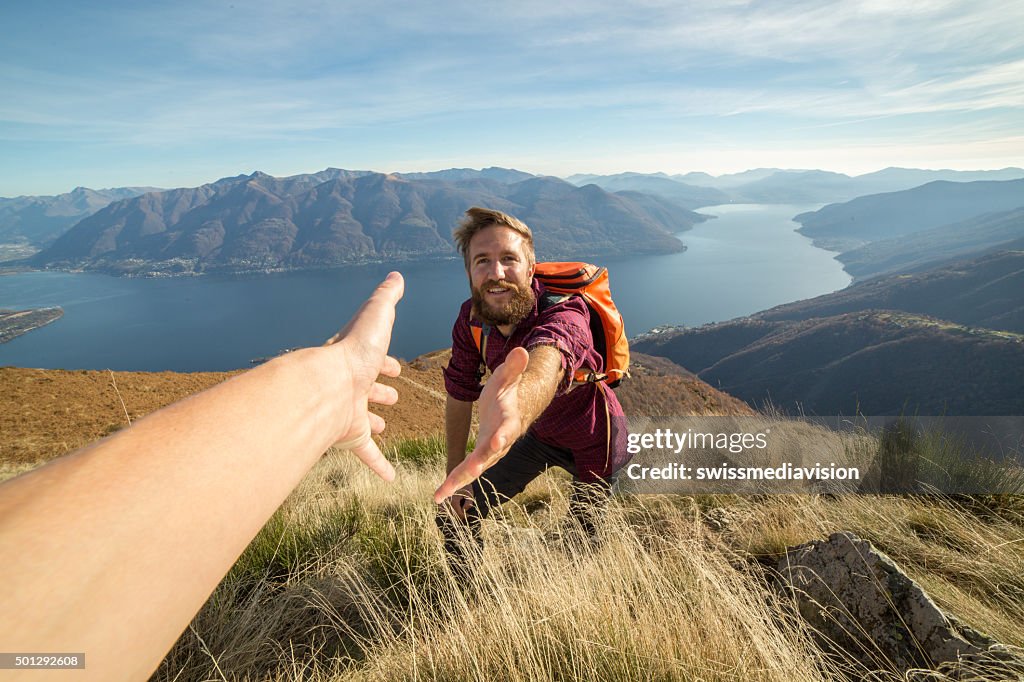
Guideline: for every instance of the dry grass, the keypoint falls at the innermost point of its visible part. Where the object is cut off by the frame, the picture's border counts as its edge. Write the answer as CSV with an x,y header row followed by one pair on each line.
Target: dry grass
x,y
348,581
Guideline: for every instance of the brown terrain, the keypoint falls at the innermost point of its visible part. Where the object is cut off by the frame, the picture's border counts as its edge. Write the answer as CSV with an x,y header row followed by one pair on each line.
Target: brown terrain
x,y
48,413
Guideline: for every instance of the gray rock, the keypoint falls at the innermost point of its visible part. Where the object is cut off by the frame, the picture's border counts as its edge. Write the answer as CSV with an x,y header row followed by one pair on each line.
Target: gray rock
x,y
860,603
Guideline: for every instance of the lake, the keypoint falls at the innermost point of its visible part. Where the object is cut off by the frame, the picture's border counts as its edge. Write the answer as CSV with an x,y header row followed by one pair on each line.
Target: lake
x,y
747,259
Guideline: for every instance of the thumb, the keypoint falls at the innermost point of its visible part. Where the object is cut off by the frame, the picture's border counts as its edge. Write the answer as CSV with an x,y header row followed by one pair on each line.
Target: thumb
x,y
513,367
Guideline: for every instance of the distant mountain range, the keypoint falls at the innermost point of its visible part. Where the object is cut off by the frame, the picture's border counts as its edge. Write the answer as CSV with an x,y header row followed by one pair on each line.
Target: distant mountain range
x,y
948,340
690,196
840,227
778,186
258,222
39,220
335,217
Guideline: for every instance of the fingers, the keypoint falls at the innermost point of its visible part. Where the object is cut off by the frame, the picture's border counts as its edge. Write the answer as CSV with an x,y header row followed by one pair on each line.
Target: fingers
x,y
377,423
370,455
391,367
383,394
373,322
470,469
461,502
458,478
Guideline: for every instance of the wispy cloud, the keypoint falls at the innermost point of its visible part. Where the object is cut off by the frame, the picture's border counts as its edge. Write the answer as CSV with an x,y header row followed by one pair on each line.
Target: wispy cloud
x,y
185,75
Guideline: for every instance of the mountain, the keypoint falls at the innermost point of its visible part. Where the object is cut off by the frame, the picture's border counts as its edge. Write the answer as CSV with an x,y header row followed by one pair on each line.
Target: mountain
x,y
502,175
728,180
686,196
255,222
852,224
38,220
815,186
989,232
779,186
894,179
949,340
982,291
795,187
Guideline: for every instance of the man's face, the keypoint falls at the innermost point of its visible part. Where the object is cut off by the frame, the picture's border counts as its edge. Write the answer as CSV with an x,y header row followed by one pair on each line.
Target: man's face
x,y
500,275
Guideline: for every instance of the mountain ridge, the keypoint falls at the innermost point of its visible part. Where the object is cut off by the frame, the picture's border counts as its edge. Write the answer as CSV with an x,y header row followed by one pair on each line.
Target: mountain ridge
x,y
336,217
949,340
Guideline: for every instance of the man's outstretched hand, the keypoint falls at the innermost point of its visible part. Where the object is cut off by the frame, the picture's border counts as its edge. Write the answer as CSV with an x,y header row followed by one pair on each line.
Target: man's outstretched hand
x,y
501,423
363,346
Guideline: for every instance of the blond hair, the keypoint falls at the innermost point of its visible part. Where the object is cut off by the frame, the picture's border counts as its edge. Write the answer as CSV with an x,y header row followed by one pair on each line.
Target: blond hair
x,y
478,219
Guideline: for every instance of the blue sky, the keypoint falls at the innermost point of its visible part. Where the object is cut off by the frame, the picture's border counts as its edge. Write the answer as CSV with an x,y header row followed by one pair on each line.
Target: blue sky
x,y
177,94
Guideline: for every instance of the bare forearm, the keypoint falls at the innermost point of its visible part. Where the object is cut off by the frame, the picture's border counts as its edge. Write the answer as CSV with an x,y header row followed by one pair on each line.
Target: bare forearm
x,y
458,414
197,475
539,383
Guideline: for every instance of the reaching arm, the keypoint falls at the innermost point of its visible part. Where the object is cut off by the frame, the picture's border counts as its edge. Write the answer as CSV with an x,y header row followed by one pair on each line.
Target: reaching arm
x,y
113,549
515,395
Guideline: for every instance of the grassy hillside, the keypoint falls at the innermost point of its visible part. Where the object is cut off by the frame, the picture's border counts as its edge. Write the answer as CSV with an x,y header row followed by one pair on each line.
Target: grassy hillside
x,y
48,413
348,582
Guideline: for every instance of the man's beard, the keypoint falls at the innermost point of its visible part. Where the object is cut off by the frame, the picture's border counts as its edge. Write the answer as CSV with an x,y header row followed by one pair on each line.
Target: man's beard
x,y
519,304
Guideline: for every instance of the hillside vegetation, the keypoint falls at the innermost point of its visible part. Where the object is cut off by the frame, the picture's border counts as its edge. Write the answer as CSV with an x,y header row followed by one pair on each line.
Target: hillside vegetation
x,y
347,581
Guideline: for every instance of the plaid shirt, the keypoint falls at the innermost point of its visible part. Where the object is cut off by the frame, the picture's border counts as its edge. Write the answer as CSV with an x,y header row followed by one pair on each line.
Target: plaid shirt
x,y
588,420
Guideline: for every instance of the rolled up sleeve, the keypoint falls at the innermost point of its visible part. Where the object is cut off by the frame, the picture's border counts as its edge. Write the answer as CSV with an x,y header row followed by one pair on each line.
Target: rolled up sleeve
x,y
566,326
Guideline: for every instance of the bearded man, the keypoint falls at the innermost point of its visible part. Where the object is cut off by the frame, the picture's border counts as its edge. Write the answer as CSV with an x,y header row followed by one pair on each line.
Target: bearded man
x,y
531,415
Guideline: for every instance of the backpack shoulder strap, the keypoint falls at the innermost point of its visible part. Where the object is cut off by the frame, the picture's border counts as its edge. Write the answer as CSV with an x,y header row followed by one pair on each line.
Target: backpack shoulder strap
x,y
550,298
480,335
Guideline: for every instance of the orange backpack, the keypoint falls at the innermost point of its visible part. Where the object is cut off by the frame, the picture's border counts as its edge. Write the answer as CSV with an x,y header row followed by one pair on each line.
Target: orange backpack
x,y
590,282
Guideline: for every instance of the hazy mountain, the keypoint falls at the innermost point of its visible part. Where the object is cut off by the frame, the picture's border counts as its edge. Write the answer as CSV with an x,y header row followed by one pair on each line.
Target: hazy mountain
x,y
337,217
814,186
728,180
893,214
686,196
894,179
668,212
989,232
795,187
774,186
38,220
947,340
502,175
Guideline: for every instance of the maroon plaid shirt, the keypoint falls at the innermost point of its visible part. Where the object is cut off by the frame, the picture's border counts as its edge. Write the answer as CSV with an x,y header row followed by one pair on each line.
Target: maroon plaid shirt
x,y
587,420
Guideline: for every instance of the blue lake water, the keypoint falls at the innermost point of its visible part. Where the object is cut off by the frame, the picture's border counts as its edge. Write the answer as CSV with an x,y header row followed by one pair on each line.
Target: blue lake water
x,y
747,259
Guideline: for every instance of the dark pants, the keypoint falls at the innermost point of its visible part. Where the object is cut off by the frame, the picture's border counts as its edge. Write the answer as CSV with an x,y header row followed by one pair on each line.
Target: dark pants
x,y
526,460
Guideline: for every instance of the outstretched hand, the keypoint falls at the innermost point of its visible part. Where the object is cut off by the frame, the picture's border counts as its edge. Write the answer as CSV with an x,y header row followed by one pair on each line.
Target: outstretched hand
x,y
363,346
501,423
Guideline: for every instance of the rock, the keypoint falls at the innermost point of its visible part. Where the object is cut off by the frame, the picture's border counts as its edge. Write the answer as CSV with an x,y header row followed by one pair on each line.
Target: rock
x,y
719,519
861,603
